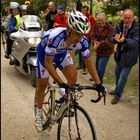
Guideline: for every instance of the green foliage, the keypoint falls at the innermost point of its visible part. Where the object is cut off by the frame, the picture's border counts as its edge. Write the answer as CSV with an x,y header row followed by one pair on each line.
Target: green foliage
x,y
110,9
118,5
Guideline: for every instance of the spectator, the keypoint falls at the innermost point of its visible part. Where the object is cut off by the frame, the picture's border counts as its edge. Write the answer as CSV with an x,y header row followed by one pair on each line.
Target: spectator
x,y
102,32
126,35
49,15
85,11
7,10
13,25
60,18
78,5
7,19
5,26
23,9
30,9
16,21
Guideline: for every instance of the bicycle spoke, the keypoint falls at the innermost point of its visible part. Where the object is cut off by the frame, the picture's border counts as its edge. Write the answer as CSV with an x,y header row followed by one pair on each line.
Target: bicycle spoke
x,y
76,121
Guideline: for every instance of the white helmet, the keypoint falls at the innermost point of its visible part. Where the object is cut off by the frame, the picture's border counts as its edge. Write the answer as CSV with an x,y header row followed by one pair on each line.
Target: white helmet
x,y
78,22
14,5
23,7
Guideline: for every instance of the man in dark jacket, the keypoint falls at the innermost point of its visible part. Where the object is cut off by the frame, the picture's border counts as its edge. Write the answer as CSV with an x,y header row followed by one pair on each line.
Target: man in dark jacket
x,y
126,36
78,5
50,14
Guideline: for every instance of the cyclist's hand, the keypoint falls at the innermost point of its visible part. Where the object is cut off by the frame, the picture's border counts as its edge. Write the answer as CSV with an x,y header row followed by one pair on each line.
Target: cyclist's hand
x,y
101,89
63,88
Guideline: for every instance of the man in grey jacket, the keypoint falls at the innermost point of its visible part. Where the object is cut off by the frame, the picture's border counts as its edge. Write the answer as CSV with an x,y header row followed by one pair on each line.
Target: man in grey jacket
x,y
126,36
5,26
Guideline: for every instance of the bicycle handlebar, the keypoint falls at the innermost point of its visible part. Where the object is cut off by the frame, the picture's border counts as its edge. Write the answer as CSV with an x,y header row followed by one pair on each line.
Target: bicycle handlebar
x,y
80,87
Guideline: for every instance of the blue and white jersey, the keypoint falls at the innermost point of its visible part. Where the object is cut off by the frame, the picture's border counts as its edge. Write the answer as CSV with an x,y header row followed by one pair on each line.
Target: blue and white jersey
x,y
54,43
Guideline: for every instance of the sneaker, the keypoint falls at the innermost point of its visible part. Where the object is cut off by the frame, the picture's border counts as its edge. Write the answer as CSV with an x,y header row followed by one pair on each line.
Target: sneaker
x,y
114,100
60,101
39,122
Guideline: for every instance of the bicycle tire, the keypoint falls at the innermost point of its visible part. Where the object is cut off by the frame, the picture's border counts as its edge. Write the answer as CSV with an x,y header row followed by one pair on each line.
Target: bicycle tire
x,y
68,136
33,76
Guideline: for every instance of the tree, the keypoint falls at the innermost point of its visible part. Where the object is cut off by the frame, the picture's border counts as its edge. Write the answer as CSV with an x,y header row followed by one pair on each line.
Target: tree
x,y
115,6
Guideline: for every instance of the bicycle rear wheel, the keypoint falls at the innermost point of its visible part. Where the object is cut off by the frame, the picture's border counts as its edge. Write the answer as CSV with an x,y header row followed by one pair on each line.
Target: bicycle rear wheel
x,y
75,124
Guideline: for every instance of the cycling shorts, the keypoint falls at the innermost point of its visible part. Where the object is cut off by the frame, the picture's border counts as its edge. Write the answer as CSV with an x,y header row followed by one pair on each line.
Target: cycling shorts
x,y
60,60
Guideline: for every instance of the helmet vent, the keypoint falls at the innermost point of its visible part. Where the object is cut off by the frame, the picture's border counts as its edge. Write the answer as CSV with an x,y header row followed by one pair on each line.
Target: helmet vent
x,y
82,20
72,18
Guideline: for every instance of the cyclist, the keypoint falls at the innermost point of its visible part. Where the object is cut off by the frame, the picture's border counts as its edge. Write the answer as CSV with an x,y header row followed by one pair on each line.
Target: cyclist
x,y
52,52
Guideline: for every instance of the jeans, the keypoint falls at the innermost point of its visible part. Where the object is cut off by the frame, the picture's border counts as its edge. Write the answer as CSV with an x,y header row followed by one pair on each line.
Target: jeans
x,y
101,63
121,74
81,58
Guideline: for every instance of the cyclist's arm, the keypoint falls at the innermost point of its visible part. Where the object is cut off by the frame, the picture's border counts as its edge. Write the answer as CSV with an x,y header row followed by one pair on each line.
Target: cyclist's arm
x,y
92,69
89,64
51,69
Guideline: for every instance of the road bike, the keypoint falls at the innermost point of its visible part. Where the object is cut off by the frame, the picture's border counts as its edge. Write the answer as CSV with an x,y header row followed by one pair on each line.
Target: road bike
x,y
73,120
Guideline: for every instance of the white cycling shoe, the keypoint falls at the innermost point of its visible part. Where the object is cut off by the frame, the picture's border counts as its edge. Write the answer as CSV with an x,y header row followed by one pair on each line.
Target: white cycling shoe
x,y
39,121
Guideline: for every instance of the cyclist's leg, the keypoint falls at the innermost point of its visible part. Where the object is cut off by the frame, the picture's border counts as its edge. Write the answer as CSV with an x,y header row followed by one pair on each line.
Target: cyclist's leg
x,y
65,63
70,74
42,83
69,69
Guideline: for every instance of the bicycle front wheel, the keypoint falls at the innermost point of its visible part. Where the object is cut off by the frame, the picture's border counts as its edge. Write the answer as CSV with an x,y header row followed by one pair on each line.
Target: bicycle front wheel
x,y
75,124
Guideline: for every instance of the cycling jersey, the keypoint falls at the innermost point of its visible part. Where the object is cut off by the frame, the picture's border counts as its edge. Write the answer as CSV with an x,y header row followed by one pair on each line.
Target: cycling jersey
x,y
53,44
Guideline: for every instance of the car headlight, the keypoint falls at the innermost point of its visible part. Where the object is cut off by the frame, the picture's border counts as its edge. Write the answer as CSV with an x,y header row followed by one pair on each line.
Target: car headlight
x,y
33,41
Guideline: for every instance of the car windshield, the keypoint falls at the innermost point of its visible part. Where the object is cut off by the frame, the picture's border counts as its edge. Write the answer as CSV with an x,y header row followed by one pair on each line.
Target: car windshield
x,y
31,23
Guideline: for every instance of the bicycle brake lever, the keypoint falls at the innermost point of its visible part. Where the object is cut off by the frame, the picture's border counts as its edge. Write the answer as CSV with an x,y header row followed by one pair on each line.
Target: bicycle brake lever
x,y
99,98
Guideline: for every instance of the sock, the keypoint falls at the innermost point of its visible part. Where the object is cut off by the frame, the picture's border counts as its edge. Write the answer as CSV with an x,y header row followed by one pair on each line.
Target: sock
x,y
39,112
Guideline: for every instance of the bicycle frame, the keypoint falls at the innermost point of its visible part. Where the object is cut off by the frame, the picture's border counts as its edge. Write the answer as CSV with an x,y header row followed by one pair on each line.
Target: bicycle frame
x,y
54,116
53,113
